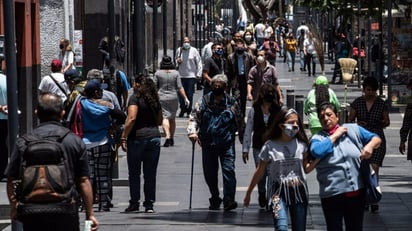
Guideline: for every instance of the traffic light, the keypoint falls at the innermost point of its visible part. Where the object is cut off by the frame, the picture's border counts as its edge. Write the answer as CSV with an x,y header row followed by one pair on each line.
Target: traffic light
x,y
150,3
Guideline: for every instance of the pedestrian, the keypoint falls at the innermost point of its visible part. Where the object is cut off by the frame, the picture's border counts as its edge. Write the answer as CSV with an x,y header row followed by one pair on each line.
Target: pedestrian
x,y
207,49
405,132
169,85
262,73
213,123
260,32
260,117
213,66
310,54
55,82
291,48
99,117
319,94
372,113
66,55
301,40
4,156
190,69
341,147
50,111
239,64
271,48
284,154
250,43
341,51
240,24
95,74
123,87
104,50
141,140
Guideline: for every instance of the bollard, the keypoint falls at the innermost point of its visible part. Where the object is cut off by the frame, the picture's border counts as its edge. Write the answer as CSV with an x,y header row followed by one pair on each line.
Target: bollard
x,y
300,100
290,98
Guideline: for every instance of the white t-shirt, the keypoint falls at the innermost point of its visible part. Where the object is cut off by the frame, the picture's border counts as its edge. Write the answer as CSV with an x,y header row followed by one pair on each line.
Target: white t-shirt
x,y
260,30
67,59
48,85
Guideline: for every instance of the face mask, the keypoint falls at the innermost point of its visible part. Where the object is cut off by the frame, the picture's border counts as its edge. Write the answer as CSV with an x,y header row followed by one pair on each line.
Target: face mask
x,y
61,46
219,52
240,50
186,46
218,91
248,38
291,130
260,59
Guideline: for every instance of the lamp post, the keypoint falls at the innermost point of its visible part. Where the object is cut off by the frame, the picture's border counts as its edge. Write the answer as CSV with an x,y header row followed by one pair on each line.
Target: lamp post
x,y
155,36
139,36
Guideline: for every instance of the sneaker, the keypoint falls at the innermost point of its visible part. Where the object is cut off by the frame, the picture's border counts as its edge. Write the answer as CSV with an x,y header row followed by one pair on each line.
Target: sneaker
x,y
215,203
181,114
230,205
132,208
149,210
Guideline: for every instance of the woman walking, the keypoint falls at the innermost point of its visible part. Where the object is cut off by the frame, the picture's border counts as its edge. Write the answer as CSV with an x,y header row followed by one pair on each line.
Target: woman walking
x,y
168,84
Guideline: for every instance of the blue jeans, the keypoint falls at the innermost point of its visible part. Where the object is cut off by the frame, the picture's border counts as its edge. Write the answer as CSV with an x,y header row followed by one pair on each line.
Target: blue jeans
x,y
291,59
302,60
262,182
189,85
211,155
341,207
146,152
297,212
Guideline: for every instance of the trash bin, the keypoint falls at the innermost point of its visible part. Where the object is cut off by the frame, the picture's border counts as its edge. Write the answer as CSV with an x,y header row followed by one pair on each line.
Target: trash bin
x,y
299,102
290,98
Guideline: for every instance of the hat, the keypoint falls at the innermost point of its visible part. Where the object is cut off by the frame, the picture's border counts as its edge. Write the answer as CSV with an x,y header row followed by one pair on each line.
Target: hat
x,y
321,80
91,86
220,78
56,65
95,74
71,74
167,63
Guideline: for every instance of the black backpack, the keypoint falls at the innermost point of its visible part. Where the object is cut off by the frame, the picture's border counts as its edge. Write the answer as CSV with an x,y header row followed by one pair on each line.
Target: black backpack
x,y
47,185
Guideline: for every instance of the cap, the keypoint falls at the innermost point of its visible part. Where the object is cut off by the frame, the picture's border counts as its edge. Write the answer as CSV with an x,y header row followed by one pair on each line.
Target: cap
x,y
321,80
71,74
91,86
95,74
56,65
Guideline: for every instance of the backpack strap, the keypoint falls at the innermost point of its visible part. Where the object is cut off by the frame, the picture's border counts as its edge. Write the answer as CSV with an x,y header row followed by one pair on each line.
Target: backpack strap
x,y
58,85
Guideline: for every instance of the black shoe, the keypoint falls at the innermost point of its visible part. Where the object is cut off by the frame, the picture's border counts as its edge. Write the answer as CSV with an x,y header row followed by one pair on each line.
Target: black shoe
x,y
132,208
181,114
149,210
375,208
262,200
366,208
104,208
215,203
167,143
230,205
172,142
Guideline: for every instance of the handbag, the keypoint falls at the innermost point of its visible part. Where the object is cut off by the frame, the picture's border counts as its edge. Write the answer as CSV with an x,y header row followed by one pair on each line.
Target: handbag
x,y
373,193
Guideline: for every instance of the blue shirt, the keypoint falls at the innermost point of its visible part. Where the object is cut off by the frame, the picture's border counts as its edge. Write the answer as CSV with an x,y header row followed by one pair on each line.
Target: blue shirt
x,y
338,170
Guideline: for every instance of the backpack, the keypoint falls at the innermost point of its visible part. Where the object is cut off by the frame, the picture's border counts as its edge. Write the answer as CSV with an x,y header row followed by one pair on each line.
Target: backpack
x,y
47,185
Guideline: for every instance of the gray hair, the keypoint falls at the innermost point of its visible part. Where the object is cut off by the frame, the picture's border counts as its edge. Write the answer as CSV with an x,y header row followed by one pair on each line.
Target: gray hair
x,y
220,78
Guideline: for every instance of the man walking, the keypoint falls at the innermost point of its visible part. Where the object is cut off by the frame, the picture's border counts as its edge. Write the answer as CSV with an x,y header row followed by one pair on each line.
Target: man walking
x,y
214,123
190,68
55,82
50,112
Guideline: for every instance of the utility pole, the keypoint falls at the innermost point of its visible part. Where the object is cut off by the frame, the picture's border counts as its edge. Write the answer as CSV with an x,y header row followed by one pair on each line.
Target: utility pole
x,y
11,63
112,50
155,37
174,30
164,12
139,36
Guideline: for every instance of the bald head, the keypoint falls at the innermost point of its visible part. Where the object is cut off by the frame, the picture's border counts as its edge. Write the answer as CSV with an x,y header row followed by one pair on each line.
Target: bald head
x,y
50,107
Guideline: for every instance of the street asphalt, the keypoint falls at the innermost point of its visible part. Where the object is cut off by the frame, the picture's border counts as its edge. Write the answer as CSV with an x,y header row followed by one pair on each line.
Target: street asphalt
x,y
172,211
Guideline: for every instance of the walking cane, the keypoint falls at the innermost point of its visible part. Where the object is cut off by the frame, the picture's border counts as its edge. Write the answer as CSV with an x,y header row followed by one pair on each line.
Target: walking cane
x,y
191,175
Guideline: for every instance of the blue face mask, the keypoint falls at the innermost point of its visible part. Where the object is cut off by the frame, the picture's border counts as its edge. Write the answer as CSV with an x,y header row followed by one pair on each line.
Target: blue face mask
x,y
291,130
219,52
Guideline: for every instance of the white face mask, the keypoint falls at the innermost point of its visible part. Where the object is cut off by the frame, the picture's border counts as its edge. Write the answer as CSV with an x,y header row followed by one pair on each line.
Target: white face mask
x,y
186,46
248,38
291,130
260,59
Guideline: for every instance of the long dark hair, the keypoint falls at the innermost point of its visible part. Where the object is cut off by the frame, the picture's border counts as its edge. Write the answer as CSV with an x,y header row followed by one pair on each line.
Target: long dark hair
x,y
321,94
148,91
274,132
